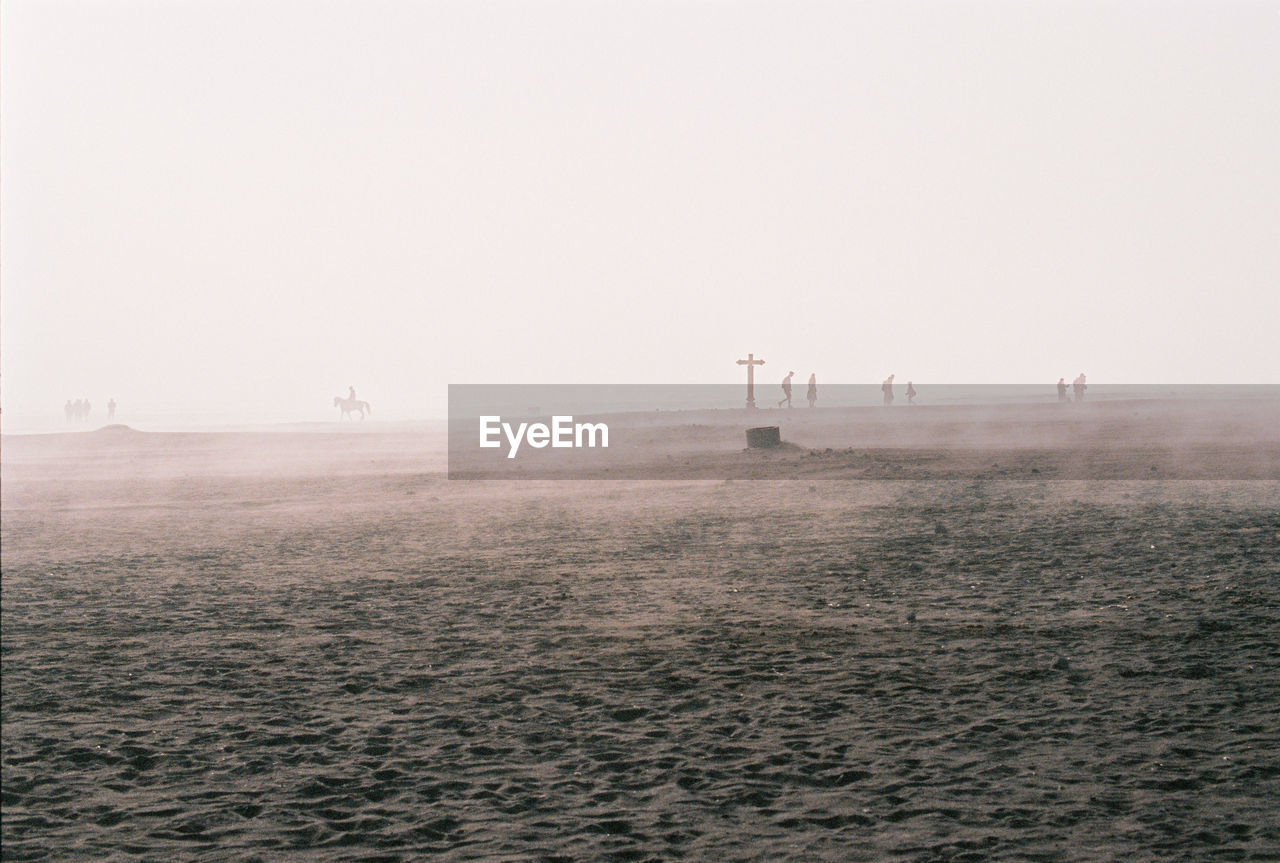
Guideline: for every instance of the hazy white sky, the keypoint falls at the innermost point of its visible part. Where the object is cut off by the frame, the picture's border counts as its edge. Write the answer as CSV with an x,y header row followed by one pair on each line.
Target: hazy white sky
x,y
253,204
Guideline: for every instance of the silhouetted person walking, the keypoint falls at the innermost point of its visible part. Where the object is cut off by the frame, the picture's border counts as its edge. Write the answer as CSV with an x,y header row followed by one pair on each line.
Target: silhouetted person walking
x,y
786,390
911,393
1078,387
887,389
111,409
812,395
1062,389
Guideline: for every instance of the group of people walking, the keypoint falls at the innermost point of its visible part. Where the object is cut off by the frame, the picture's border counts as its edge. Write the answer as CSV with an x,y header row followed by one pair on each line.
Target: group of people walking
x,y
1077,388
78,411
812,395
886,389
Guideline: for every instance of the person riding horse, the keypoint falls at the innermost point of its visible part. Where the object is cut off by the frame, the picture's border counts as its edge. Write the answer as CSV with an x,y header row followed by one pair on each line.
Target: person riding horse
x,y
351,405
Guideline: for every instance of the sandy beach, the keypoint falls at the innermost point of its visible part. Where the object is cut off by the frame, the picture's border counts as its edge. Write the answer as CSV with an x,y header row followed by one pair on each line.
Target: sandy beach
x,y
312,645
636,432
1120,439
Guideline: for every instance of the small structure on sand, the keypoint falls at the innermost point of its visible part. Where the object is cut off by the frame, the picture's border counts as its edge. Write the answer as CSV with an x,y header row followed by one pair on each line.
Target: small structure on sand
x,y
764,437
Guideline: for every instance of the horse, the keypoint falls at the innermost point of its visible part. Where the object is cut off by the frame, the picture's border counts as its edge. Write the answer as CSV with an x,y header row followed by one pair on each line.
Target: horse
x,y
350,406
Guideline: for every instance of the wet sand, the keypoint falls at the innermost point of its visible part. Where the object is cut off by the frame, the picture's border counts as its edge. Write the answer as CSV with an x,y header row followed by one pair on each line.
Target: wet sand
x,y
316,647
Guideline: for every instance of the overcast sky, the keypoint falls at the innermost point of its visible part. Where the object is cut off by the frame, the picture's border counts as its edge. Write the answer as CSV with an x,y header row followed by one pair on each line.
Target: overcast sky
x,y
256,204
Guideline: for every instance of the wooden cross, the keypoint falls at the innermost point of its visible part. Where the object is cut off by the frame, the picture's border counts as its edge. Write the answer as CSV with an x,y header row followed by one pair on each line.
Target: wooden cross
x,y
751,362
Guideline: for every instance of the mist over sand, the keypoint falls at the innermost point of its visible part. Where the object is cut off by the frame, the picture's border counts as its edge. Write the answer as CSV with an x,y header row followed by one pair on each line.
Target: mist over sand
x,y
237,627
314,645
1207,438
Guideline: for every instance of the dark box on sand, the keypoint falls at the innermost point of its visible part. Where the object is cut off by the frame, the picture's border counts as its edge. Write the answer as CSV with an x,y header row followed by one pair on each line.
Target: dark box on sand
x,y
765,436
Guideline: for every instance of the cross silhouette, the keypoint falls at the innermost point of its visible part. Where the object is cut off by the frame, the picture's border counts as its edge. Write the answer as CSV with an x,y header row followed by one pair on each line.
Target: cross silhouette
x,y
751,362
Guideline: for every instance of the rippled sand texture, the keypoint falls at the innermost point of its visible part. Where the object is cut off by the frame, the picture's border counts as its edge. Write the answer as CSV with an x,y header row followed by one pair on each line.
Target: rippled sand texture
x,y
386,668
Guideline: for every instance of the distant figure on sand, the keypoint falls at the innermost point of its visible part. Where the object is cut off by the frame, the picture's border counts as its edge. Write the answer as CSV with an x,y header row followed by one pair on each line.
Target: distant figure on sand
x,y
1078,387
111,408
911,393
351,406
69,410
786,389
887,389
812,395
1062,389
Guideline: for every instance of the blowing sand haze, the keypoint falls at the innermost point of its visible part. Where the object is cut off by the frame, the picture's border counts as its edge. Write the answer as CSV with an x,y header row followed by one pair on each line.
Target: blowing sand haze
x,y
883,454
287,646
